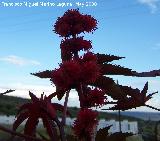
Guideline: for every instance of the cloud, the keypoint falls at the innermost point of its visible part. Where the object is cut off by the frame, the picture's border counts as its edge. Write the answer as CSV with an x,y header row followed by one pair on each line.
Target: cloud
x,y
16,60
22,90
152,4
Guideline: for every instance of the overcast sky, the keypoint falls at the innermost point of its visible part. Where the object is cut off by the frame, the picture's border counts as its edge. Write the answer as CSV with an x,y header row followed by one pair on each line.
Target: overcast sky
x,y
128,28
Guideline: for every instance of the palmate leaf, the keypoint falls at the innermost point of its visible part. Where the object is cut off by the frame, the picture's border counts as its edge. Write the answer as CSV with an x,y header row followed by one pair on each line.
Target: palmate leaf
x,y
135,100
129,90
104,58
111,88
110,69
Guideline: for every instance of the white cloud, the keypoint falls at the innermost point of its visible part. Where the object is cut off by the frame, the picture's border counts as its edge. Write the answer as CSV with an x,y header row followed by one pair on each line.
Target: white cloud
x,y
16,60
153,4
22,90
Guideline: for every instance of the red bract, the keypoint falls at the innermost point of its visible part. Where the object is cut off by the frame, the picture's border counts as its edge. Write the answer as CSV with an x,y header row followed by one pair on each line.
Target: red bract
x,y
91,72
73,22
74,72
67,75
90,24
94,98
74,45
38,108
85,123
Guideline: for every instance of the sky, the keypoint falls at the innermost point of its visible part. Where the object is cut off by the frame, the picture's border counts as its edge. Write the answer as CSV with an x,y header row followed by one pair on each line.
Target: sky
x,y
128,28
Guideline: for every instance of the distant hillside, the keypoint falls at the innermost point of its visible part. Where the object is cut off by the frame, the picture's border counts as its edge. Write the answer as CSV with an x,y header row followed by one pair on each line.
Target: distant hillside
x,y
154,116
9,104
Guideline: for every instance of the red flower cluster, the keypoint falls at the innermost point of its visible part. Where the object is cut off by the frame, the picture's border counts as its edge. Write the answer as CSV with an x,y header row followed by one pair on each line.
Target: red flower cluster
x,y
85,123
74,72
94,98
73,22
67,75
74,45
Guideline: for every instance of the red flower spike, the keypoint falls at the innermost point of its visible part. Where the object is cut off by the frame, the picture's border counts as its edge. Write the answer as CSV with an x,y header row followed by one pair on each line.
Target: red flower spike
x,y
74,45
71,73
94,98
73,22
91,71
67,75
90,24
85,123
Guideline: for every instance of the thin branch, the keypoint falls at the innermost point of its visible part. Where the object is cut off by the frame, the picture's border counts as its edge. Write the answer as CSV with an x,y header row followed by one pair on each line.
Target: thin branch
x,y
8,91
119,118
19,134
61,129
65,108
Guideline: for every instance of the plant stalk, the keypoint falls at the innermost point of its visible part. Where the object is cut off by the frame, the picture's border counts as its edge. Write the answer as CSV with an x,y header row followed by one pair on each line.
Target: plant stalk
x,y
65,108
119,118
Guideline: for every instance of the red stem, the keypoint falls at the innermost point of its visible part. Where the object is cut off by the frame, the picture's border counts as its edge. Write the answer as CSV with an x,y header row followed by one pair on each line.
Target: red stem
x,y
80,94
65,108
61,129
